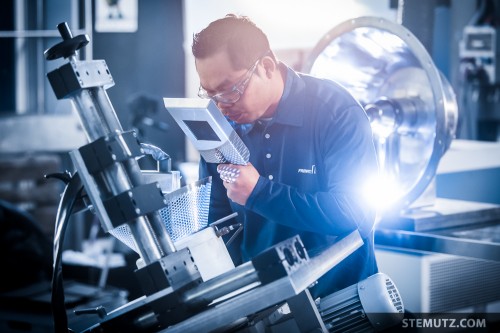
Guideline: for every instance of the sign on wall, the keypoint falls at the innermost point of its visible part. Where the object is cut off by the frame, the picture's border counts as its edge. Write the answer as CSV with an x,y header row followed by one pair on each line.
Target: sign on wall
x,y
116,15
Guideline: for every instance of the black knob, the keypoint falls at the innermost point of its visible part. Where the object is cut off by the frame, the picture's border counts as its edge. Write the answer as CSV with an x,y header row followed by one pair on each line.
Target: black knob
x,y
68,46
64,31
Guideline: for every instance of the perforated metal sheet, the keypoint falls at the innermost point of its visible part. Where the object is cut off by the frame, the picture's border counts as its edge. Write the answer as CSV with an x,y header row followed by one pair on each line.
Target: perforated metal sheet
x,y
187,209
232,151
123,234
186,213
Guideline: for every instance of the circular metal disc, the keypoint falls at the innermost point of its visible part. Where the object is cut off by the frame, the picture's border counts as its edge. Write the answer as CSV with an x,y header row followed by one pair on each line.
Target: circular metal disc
x,y
381,63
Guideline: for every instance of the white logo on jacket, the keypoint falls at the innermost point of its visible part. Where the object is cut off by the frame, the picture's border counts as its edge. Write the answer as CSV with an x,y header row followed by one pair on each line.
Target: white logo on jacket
x,y
311,171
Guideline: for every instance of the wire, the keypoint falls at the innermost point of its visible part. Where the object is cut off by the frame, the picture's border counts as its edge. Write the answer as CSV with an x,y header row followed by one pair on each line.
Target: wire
x,y
478,15
70,195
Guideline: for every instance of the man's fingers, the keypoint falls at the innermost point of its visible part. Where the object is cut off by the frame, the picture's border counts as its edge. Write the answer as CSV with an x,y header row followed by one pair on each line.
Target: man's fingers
x,y
228,174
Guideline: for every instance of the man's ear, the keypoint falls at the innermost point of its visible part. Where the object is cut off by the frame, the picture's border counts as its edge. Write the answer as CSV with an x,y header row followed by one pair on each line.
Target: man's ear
x,y
269,66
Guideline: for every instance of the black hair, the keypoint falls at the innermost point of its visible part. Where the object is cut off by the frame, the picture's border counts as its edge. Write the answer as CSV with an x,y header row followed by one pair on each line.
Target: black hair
x,y
243,41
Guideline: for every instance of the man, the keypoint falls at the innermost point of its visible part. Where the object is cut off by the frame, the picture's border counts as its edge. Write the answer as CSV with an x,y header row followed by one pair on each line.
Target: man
x,y
310,148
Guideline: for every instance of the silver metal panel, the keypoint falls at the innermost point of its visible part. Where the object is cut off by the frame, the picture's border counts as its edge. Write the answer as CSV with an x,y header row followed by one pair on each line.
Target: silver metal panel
x,y
445,213
447,242
48,133
209,252
93,73
439,283
456,282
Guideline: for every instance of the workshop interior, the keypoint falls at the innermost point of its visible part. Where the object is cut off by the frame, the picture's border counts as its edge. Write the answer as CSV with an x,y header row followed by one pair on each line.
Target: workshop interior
x,y
104,220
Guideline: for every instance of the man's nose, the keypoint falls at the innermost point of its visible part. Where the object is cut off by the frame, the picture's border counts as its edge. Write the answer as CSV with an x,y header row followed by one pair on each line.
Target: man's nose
x,y
224,107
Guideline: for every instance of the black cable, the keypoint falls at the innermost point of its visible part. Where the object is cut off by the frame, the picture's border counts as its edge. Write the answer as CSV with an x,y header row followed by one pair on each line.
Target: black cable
x,y
71,194
485,14
479,14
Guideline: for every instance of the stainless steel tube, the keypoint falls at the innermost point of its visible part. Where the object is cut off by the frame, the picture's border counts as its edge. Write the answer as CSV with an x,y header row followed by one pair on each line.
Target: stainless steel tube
x,y
242,276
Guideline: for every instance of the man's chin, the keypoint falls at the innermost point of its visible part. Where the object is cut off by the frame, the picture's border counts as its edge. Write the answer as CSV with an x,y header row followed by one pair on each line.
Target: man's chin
x,y
237,118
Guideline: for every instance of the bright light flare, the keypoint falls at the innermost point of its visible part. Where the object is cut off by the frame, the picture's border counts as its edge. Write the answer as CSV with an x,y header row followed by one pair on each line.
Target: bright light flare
x,y
382,192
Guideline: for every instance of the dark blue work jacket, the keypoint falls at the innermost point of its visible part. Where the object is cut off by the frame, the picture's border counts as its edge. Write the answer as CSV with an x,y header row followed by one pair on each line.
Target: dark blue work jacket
x,y
313,158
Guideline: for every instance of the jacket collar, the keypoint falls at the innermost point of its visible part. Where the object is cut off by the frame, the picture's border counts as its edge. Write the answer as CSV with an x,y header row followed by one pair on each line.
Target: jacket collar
x,y
290,110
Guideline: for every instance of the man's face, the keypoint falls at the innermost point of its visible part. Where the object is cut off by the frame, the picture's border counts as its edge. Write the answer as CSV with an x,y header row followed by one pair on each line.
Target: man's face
x,y
217,76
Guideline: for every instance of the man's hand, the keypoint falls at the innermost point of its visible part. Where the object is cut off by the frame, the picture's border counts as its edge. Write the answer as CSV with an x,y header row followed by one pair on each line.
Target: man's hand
x,y
239,181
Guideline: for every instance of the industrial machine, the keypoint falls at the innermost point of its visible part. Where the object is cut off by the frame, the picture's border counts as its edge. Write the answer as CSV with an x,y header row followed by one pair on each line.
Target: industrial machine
x,y
444,244
189,281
